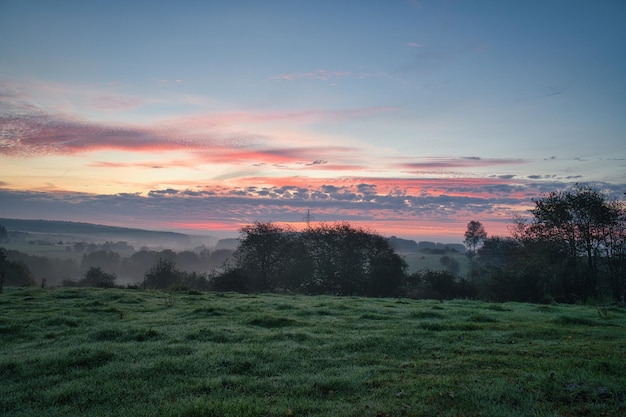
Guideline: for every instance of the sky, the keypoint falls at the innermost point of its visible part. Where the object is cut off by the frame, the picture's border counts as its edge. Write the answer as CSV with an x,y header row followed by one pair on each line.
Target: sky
x,y
408,118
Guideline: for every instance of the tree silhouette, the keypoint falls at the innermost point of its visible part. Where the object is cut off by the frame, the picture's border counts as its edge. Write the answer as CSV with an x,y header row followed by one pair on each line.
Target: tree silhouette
x,y
474,236
96,277
588,227
14,272
4,235
263,254
162,275
2,270
333,259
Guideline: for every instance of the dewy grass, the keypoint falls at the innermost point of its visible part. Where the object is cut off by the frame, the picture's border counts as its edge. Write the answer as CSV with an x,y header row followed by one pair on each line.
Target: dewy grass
x,y
129,352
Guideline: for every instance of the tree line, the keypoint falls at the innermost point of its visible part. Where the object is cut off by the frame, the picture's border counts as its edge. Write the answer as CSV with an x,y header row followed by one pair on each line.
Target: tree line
x,y
571,248
105,268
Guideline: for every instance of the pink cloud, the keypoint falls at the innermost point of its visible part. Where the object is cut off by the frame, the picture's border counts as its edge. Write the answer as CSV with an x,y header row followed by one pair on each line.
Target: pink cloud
x,y
154,165
392,186
400,206
278,156
35,133
42,134
29,130
414,44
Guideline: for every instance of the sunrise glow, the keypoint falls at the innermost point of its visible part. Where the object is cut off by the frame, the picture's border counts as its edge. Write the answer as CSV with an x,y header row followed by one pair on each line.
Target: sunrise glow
x,y
407,118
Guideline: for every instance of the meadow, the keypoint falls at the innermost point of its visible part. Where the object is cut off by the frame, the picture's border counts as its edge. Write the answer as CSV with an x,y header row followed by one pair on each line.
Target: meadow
x,y
114,352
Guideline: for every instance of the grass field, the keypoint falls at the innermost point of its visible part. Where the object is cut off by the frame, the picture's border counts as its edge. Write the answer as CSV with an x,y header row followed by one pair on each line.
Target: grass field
x,y
83,352
49,251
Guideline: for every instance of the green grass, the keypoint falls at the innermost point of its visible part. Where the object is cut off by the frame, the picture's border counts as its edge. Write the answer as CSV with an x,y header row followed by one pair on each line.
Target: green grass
x,y
135,353
49,251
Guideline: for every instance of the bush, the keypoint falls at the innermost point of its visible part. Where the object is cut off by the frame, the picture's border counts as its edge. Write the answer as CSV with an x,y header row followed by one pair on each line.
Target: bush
x,y
96,277
162,275
14,273
231,280
439,285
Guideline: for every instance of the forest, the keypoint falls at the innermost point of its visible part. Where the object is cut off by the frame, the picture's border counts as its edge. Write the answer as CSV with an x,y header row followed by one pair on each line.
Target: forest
x,y
570,249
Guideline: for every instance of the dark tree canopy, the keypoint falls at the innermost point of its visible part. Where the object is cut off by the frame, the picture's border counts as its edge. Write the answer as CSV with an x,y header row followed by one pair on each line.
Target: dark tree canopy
x,y
107,260
14,273
263,253
327,259
96,277
583,225
570,249
162,275
474,236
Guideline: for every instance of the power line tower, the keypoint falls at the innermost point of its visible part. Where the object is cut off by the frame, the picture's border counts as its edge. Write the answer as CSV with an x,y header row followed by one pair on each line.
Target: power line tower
x,y
308,218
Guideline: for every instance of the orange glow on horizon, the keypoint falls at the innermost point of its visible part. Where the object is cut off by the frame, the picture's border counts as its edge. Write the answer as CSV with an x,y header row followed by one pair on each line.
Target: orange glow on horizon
x,y
446,232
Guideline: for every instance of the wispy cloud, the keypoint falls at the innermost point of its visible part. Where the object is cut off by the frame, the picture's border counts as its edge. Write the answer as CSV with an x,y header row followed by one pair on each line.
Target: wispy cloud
x,y
27,130
261,155
230,119
461,162
42,134
143,164
317,162
116,102
324,75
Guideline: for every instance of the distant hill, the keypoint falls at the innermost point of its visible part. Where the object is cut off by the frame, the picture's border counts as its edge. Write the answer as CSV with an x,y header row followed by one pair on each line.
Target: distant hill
x,y
403,245
90,231
426,246
407,245
459,247
229,244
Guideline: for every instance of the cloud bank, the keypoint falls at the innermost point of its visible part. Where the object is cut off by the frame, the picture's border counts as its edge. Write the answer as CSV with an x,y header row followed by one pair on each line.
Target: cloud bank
x,y
402,207
222,170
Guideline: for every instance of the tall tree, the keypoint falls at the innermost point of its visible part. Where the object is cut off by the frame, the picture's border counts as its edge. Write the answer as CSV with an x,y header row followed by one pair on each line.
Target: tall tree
x,y
263,253
474,236
589,227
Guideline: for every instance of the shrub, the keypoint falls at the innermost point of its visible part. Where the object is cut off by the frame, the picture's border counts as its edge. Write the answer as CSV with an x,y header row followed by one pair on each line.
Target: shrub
x,y
96,277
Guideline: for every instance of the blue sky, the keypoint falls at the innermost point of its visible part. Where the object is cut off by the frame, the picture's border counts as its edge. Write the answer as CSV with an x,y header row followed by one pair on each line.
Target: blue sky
x,y
409,117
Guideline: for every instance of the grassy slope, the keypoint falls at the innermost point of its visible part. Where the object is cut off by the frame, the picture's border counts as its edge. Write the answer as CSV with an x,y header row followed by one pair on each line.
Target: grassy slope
x,y
49,251
123,352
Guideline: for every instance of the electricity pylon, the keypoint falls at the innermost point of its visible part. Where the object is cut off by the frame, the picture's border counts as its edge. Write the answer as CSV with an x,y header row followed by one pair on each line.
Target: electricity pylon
x,y
308,218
